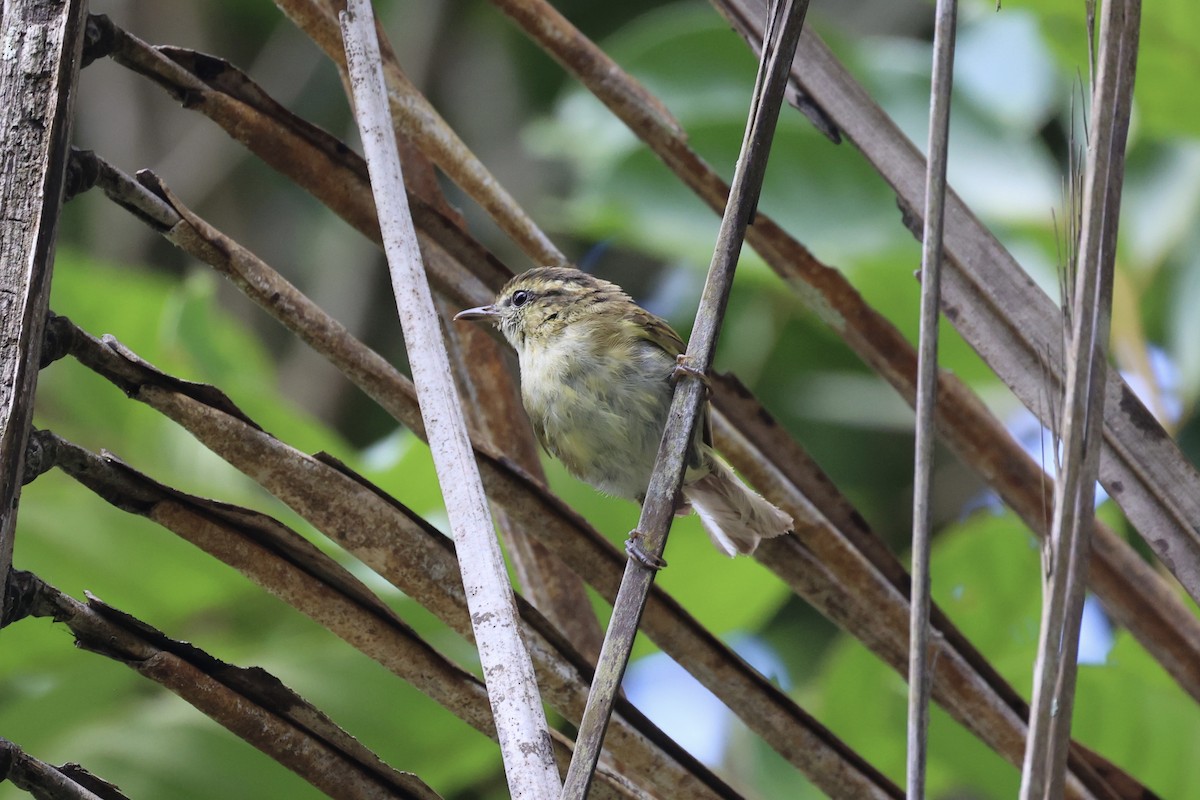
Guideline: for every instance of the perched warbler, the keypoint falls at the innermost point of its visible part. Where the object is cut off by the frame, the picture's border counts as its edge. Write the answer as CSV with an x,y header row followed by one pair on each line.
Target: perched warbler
x,y
597,374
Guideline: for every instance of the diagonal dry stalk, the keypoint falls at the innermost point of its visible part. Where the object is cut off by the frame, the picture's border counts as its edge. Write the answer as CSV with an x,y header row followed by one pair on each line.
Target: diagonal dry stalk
x,y
1083,405
417,120
787,21
521,726
286,564
68,782
250,702
963,684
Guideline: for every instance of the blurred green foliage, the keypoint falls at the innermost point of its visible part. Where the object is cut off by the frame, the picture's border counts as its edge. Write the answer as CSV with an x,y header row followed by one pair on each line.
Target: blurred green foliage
x,y
615,207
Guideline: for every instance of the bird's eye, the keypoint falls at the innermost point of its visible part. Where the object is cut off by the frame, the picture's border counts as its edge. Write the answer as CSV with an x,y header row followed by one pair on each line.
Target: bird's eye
x,y
521,297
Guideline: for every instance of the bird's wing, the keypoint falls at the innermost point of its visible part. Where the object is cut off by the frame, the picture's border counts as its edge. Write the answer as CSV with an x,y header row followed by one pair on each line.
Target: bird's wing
x,y
655,329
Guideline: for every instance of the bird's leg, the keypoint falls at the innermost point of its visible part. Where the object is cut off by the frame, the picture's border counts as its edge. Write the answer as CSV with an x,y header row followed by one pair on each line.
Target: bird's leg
x,y
682,367
634,549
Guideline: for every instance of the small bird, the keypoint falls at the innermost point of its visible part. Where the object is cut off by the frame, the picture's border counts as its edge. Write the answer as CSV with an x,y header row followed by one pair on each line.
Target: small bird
x,y
597,375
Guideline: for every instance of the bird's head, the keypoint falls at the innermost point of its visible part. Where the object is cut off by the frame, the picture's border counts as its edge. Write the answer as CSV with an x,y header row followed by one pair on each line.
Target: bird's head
x,y
539,304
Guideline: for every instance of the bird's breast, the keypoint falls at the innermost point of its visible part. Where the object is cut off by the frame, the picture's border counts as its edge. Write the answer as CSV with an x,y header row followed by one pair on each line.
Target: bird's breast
x,y
601,411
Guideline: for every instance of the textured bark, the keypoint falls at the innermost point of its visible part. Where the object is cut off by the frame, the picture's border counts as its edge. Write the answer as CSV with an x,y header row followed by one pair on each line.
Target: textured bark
x,y
41,42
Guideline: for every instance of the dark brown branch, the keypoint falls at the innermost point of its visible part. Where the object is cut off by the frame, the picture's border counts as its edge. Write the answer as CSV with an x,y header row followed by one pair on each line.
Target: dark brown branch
x,y
318,162
820,566
249,702
42,780
289,567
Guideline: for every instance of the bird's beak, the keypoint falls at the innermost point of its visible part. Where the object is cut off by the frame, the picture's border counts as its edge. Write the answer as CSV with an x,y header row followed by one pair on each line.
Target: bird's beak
x,y
482,312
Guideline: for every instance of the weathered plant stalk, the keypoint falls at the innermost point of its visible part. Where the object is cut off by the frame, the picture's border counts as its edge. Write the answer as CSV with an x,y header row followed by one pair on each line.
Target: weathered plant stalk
x,y
920,673
249,702
417,119
48,782
291,568
39,69
1083,405
1007,318
508,671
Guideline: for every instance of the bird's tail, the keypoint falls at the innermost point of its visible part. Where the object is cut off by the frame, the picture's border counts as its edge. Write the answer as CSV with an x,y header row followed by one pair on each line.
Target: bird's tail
x,y
735,516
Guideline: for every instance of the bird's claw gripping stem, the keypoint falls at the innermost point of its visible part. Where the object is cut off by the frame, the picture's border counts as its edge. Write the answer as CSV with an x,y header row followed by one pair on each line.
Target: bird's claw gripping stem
x,y
682,367
634,549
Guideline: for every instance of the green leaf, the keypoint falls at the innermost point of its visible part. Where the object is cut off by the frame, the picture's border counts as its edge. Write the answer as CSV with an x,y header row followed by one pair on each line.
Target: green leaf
x,y
1168,58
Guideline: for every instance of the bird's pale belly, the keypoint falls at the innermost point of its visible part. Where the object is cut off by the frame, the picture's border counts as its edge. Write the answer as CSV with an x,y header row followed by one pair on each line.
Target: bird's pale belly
x,y
603,421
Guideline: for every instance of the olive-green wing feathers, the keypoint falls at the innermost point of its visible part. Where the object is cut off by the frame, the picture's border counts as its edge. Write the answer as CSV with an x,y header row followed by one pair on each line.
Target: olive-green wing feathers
x,y
655,329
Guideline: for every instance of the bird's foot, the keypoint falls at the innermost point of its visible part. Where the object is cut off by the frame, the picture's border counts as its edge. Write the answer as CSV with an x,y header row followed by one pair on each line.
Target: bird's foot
x,y
682,367
634,549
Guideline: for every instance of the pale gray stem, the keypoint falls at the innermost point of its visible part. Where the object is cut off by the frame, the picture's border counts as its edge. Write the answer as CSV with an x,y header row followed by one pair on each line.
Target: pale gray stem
x,y
1044,767
508,672
919,668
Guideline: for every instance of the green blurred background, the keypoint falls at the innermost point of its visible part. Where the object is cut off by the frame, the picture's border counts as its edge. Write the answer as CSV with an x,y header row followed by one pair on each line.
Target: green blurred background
x,y
613,208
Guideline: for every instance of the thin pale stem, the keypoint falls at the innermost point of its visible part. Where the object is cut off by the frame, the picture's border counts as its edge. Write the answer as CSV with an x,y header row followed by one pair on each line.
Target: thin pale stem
x,y
919,670
416,117
1044,767
508,671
